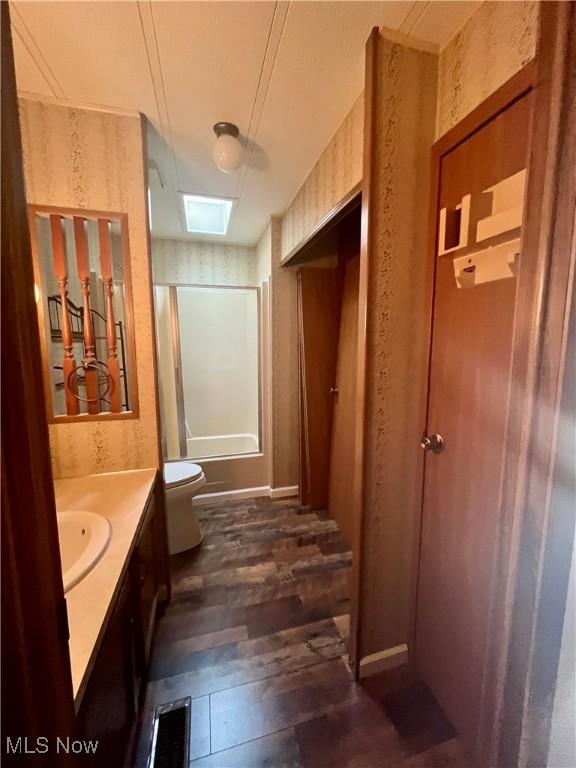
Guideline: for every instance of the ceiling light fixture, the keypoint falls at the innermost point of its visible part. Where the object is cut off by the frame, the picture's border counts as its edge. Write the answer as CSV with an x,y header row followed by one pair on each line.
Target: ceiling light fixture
x,y
227,150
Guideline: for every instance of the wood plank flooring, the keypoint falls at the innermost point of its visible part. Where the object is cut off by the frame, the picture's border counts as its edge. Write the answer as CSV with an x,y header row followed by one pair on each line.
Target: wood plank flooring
x,y
256,634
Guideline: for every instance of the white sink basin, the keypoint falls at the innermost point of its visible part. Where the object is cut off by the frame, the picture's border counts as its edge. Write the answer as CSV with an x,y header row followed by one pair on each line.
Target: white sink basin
x,y
83,538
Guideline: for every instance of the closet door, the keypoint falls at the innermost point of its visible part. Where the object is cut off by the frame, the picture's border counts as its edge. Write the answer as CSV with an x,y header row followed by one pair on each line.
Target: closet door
x,y
319,319
343,424
468,406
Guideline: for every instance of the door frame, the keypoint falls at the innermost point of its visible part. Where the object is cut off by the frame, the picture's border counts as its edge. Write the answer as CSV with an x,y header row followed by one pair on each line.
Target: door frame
x,y
36,683
357,572
505,96
498,102
532,564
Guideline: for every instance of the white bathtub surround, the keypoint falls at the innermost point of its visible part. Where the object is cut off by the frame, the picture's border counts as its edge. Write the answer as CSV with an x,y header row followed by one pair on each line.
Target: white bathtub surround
x,y
121,498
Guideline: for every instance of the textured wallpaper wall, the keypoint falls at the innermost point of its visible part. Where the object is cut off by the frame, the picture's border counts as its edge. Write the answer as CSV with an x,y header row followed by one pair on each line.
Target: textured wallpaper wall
x,y
396,338
186,261
285,441
337,171
86,158
494,44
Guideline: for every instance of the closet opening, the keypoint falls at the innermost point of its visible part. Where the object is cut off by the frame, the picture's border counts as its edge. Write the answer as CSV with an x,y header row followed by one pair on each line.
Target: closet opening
x,y
328,292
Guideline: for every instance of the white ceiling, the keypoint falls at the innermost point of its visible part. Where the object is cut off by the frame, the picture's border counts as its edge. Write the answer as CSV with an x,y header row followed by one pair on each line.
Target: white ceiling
x,y
285,72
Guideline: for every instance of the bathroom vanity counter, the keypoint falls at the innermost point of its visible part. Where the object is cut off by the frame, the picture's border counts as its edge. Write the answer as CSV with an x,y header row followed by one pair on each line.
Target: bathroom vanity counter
x,y
122,498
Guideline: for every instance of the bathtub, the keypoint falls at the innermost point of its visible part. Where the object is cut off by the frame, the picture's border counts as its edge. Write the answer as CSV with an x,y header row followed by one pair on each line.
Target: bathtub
x,y
221,445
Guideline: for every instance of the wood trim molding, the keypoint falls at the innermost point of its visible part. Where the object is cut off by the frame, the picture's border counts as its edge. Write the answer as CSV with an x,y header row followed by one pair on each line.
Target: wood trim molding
x,y
383,660
144,134
36,682
285,492
534,559
298,254
363,298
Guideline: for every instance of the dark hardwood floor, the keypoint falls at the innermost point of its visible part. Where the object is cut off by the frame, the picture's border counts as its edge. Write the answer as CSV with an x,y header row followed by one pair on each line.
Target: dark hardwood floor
x,y
256,635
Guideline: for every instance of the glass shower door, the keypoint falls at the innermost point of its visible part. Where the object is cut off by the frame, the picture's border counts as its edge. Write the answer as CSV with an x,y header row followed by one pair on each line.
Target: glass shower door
x,y
208,350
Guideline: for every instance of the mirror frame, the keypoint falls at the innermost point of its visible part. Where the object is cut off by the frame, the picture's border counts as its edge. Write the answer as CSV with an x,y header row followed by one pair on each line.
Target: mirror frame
x,y
122,219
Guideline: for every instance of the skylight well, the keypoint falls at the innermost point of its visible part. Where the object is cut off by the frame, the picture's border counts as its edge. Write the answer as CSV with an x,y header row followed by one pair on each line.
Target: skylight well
x,y
207,215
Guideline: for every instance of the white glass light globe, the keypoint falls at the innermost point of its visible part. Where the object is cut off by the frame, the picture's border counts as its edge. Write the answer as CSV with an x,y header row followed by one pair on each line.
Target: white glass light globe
x,y
227,153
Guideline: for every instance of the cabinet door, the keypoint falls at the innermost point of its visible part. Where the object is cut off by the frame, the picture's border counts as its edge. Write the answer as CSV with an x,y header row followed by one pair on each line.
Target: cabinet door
x,y
147,576
108,710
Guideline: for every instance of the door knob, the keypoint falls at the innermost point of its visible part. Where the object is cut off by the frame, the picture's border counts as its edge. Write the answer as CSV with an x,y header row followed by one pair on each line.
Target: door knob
x,y
333,390
434,443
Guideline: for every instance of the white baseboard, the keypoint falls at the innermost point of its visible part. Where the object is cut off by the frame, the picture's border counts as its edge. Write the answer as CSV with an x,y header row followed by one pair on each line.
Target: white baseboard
x,y
243,493
246,493
284,493
383,660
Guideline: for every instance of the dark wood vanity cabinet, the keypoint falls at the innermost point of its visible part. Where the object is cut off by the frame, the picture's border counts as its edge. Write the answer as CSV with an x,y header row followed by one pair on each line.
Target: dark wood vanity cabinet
x,y
115,692
109,706
147,574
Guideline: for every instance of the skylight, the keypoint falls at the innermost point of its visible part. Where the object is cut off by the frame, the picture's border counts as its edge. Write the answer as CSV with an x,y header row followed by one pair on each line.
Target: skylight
x,y
207,215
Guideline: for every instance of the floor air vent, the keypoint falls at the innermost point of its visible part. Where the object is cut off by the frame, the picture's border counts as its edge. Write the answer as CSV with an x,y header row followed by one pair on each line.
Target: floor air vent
x,y
171,735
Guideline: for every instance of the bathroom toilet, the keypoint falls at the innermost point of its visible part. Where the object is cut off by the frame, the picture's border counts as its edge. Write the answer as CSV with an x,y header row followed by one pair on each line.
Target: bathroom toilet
x,y
182,481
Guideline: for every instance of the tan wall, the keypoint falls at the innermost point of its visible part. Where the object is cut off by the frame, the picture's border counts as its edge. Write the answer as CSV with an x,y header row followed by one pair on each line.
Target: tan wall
x,y
189,262
87,158
404,132
494,44
337,171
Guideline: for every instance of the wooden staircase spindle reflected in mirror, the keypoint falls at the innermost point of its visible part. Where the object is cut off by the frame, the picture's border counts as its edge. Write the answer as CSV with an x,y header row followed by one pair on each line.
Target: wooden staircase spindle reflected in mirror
x,y
111,342
61,273
90,362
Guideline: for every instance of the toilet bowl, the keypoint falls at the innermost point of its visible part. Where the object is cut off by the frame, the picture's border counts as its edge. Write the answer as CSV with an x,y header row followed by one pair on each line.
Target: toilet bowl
x,y
182,481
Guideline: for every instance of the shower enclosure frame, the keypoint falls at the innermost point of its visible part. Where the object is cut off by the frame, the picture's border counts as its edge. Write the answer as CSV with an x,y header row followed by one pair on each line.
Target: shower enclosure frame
x,y
178,377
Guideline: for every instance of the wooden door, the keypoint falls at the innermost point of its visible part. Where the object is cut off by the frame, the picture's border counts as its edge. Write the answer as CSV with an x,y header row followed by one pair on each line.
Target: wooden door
x,y
468,405
37,699
340,503
319,318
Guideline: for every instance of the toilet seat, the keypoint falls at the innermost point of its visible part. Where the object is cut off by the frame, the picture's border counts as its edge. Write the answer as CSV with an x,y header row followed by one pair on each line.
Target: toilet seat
x,y
177,473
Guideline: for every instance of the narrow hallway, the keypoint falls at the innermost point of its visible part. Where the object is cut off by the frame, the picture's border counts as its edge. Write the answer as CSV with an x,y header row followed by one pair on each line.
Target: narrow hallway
x,y
255,634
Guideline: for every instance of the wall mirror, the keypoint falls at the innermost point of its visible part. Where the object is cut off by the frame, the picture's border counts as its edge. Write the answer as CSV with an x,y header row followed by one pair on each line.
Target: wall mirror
x,y
84,300
209,370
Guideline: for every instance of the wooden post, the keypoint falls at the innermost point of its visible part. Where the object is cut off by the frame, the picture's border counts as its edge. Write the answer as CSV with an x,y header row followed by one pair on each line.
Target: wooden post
x,y
61,272
108,280
92,388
